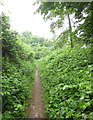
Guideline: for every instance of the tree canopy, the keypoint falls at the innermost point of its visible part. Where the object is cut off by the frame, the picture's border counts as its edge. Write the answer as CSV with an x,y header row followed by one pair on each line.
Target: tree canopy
x,y
82,11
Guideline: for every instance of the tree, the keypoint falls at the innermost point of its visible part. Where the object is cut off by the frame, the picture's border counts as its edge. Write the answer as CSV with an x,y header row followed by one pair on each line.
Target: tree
x,y
8,38
58,10
11,47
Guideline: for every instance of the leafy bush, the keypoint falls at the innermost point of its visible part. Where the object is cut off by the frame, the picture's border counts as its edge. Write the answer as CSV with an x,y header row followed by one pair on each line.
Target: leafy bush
x,y
16,85
66,79
17,72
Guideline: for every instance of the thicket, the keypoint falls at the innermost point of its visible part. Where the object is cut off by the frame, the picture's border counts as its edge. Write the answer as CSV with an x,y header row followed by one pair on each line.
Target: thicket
x,y
40,46
66,80
19,52
67,73
17,72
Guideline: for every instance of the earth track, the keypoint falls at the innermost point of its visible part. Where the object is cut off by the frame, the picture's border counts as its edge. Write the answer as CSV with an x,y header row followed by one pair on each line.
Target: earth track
x,y
36,109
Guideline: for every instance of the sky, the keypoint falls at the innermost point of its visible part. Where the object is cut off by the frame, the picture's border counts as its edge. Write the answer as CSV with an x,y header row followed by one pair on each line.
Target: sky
x,y
22,17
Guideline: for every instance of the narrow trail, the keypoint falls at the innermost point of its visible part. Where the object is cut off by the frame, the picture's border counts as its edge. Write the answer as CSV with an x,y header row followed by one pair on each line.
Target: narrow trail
x,y
36,109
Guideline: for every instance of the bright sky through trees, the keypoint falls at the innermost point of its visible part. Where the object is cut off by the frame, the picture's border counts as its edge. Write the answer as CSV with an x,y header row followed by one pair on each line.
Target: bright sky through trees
x,y
22,17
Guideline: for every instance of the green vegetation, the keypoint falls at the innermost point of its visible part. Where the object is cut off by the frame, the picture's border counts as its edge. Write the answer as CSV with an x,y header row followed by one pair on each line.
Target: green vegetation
x,y
19,52
67,73
65,63
66,79
17,72
40,46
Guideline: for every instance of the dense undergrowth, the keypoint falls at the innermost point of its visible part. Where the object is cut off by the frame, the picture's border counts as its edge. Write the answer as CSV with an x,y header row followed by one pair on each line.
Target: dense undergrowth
x,y
17,72
66,80
16,88
66,73
19,53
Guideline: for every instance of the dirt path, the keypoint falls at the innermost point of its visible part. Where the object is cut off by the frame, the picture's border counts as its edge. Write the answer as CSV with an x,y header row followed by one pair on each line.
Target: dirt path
x,y
36,109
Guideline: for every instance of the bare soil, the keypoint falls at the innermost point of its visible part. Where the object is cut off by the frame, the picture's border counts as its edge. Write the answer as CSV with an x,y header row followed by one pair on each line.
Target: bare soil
x,y
36,108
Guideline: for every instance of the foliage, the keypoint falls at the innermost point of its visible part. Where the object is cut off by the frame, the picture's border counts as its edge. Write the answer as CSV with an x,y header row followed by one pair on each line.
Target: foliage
x,y
17,72
16,85
18,55
7,37
66,74
82,12
85,14
34,40
66,79
40,46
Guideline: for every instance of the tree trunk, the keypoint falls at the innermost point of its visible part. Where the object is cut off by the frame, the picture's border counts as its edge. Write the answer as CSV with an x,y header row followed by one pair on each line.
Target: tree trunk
x,y
70,29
